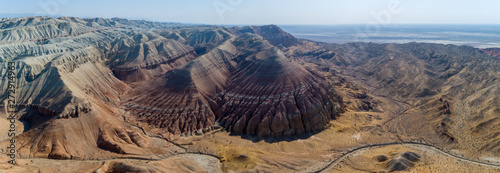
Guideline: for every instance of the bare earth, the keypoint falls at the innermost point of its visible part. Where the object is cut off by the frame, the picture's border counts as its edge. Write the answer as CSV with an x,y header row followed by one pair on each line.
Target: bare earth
x,y
115,95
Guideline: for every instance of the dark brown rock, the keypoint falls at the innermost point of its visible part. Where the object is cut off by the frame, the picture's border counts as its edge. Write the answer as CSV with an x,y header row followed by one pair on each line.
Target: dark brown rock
x,y
381,158
402,161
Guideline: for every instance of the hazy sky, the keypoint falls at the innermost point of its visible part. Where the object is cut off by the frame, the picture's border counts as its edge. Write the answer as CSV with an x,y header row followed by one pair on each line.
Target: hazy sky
x,y
269,11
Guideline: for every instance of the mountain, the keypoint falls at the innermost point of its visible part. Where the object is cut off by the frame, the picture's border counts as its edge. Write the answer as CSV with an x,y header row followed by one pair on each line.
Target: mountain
x,y
118,95
447,93
272,33
494,52
78,79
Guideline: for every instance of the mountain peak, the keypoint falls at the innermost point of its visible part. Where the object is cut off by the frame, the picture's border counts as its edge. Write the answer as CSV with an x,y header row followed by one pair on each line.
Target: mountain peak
x,y
272,33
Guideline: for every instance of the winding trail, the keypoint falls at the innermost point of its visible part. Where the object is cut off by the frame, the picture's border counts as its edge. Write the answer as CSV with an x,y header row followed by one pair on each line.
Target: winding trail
x,y
208,160
129,158
326,166
417,145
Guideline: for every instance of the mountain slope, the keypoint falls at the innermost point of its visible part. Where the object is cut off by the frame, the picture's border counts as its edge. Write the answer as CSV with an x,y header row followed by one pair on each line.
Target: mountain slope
x,y
449,91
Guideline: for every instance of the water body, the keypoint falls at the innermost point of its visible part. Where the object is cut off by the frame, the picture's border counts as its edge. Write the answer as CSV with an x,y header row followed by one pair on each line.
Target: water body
x,y
480,36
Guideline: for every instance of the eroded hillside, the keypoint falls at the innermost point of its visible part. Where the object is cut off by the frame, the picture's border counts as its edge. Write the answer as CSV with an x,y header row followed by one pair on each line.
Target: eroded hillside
x,y
124,95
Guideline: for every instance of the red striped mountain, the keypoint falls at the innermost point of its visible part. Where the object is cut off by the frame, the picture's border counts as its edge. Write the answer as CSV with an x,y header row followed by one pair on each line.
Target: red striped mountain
x,y
245,84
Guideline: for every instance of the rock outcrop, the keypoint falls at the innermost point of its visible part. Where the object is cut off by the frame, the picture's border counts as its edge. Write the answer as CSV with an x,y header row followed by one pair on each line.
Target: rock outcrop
x,y
402,161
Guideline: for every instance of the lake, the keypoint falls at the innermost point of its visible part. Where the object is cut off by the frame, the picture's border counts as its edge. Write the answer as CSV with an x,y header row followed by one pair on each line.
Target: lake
x,y
480,36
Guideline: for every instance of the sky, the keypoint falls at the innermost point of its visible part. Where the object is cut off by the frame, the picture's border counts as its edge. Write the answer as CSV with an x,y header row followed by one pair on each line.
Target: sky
x,y
260,12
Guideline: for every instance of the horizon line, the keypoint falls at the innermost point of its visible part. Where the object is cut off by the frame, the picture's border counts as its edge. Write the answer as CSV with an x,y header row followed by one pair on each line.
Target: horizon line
x,y
248,24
